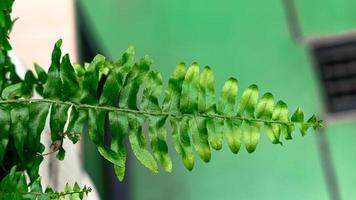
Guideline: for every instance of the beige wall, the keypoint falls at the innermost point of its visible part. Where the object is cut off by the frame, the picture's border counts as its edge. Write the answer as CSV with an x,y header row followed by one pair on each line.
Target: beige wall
x,y
40,24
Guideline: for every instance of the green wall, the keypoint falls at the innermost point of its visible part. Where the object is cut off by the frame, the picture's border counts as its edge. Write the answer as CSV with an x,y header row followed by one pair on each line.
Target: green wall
x,y
248,40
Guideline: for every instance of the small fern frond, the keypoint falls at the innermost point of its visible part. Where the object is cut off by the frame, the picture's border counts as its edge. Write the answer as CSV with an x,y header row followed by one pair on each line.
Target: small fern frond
x,y
130,99
15,186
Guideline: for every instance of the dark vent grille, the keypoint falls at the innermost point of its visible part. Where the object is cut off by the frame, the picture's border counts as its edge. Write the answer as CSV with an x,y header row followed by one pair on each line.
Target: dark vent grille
x,y
336,61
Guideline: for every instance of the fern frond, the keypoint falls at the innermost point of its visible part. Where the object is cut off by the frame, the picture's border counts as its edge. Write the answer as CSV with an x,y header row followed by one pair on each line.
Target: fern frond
x,y
190,111
15,186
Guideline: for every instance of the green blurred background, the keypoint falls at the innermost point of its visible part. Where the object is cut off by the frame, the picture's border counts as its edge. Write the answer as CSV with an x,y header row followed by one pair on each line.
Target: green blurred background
x,y
249,40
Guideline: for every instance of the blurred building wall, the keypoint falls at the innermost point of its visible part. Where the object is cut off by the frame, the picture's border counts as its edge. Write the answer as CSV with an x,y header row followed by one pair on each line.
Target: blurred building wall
x,y
38,26
248,40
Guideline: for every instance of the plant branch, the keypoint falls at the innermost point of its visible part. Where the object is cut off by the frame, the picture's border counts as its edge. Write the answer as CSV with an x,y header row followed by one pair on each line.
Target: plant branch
x,y
153,113
55,194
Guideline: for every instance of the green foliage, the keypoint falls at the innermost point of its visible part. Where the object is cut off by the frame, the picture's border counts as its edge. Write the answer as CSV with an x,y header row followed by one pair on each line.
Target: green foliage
x,y
129,104
21,126
8,74
190,112
14,186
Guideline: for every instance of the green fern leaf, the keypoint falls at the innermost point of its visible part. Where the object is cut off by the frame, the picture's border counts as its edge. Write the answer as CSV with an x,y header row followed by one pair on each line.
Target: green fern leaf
x,y
5,121
138,143
179,125
130,103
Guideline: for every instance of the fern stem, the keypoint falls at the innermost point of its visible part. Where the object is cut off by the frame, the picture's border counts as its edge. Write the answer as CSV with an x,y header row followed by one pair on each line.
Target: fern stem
x,y
144,112
52,195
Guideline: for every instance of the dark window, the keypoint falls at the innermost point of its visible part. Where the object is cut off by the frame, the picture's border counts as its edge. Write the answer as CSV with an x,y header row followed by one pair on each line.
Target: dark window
x,y
336,62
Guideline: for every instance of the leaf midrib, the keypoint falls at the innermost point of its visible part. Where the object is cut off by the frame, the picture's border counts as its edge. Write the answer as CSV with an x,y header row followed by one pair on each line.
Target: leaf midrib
x,y
144,112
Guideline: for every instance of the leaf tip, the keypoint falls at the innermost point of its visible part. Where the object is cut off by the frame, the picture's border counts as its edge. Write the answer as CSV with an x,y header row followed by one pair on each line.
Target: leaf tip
x,y
320,124
267,95
146,60
250,149
59,43
232,79
216,145
207,68
253,87
131,49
